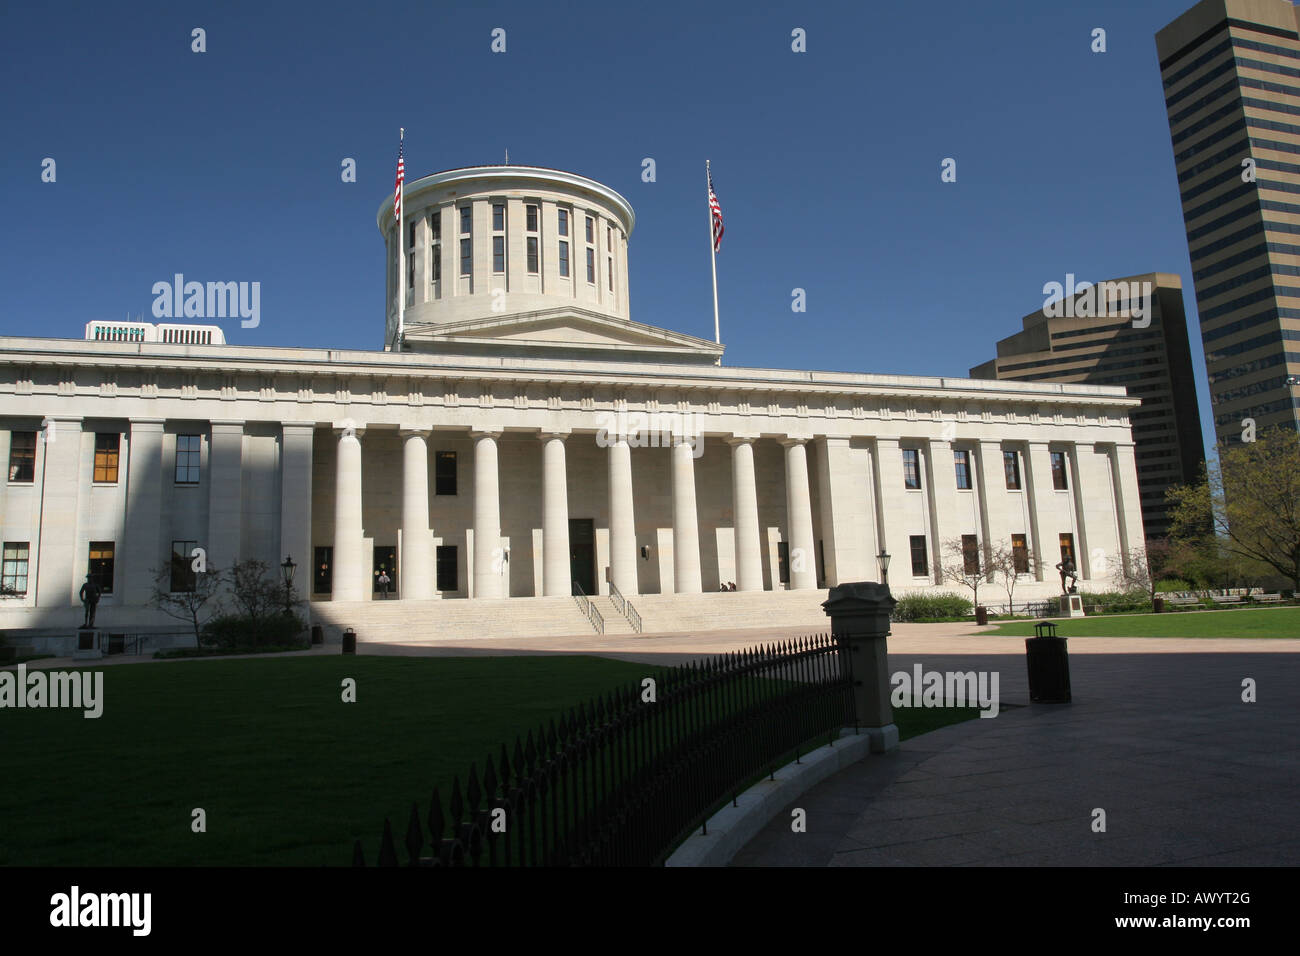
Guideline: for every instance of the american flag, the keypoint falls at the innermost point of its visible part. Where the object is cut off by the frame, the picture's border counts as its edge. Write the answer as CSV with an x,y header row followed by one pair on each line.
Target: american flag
x,y
397,187
717,215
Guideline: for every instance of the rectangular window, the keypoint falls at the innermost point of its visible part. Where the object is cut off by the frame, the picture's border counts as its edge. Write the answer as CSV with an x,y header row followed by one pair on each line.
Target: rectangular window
x,y
609,238
530,218
563,221
466,220
466,257
591,229
564,259
1011,466
323,571
970,554
100,565
498,253
436,272
183,573
22,456
107,446
962,461
448,576
13,571
1020,554
532,256
609,265
591,266
783,562
920,559
435,227
187,459
444,473
1067,549
410,271
1058,471
911,468
498,217
410,241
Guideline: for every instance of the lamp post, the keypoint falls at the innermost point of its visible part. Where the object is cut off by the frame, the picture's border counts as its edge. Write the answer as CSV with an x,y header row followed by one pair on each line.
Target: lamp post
x,y
883,558
1291,382
286,570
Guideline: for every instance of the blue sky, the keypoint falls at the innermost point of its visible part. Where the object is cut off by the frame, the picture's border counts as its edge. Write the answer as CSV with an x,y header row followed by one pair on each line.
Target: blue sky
x,y
225,165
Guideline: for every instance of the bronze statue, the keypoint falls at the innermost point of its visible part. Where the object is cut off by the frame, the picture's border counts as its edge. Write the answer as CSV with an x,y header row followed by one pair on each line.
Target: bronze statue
x,y
90,593
1068,570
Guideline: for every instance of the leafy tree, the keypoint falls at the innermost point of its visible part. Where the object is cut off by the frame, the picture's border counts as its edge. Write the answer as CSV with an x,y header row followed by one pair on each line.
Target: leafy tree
x,y
1249,495
200,592
1141,569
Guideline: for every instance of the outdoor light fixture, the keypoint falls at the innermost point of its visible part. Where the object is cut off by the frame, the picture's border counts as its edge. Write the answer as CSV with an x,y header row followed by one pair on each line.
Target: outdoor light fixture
x,y
645,552
286,570
883,558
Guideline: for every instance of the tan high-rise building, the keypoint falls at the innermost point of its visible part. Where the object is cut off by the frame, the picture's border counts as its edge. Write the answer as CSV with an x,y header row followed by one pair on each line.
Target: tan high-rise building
x,y
1231,72
1096,338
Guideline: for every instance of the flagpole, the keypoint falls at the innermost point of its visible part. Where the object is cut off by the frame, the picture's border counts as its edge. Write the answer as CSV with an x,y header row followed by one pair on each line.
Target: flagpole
x,y
713,254
401,253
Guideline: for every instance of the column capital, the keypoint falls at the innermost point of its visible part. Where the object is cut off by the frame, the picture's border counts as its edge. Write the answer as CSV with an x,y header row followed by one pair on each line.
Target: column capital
x,y
546,434
348,427
412,431
488,431
226,427
790,441
146,425
298,427
734,440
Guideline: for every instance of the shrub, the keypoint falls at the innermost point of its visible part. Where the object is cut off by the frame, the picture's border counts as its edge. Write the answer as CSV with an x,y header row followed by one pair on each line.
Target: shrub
x,y
931,607
231,631
1117,602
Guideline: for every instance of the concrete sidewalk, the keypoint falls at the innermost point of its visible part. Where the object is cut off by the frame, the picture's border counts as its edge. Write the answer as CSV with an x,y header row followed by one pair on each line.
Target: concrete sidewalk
x,y
1186,773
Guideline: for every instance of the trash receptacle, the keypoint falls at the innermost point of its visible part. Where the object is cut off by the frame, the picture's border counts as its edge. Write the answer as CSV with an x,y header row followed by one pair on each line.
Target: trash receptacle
x,y
981,615
317,634
349,641
1049,666
1158,605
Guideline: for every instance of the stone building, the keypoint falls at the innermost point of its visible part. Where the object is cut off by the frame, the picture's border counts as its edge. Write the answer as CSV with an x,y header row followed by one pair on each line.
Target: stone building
x,y
525,438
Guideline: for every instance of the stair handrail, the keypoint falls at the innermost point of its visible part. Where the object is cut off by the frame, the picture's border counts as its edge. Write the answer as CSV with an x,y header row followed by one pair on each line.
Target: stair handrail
x,y
588,609
625,607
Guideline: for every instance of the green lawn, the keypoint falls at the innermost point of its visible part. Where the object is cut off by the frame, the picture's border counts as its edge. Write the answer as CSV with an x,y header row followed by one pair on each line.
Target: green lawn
x,y
1261,623
288,774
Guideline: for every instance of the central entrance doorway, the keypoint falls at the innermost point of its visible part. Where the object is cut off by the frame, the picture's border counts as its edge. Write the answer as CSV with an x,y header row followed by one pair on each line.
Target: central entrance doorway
x,y
582,553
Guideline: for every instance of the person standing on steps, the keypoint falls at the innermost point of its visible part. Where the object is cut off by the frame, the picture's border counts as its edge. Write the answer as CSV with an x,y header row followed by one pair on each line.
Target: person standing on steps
x,y
384,581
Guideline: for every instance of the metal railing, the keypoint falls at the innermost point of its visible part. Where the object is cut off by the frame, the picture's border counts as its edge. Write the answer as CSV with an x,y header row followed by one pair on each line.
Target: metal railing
x,y
588,609
624,607
619,781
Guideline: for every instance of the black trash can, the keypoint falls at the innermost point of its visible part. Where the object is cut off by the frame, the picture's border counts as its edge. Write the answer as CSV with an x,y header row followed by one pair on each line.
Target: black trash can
x,y
1158,605
1049,670
317,634
349,641
981,615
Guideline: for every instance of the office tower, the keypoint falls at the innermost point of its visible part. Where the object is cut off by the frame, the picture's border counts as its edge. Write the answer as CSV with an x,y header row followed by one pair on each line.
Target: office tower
x,y
1231,72
1094,338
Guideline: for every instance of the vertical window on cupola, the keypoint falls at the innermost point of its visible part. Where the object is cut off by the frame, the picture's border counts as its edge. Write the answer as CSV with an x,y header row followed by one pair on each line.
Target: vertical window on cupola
x,y
564,259
563,222
591,265
435,245
531,241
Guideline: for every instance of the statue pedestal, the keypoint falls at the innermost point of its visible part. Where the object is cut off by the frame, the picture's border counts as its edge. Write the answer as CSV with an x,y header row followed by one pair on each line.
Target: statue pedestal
x,y
1071,605
88,644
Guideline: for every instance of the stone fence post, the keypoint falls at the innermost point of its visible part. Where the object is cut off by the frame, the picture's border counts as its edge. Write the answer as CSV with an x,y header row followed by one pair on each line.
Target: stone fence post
x,y
859,613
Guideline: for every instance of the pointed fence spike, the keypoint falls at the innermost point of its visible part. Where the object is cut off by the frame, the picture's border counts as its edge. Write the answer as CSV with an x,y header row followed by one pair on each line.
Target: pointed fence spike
x,y
387,852
437,823
358,857
414,835
472,792
456,805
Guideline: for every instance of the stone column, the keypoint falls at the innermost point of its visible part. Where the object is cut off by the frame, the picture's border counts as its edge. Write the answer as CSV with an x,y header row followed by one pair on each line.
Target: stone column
x,y
744,497
141,550
556,575
1128,508
991,482
350,572
845,500
1043,530
295,502
891,502
489,561
946,522
225,494
798,510
1082,549
54,556
416,580
622,523
686,525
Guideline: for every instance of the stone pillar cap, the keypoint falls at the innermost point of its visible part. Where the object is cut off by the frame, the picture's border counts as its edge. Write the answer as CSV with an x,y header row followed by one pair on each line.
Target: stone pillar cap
x,y
859,596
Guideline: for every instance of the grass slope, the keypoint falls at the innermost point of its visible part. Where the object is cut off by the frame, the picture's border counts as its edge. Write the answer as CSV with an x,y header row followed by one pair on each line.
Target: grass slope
x,y
1261,623
287,773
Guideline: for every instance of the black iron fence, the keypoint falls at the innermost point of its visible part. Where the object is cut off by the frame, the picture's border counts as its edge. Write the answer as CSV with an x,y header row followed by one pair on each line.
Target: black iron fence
x,y
619,781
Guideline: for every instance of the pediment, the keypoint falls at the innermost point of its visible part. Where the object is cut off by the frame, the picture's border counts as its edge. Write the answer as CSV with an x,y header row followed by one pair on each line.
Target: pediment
x,y
562,330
